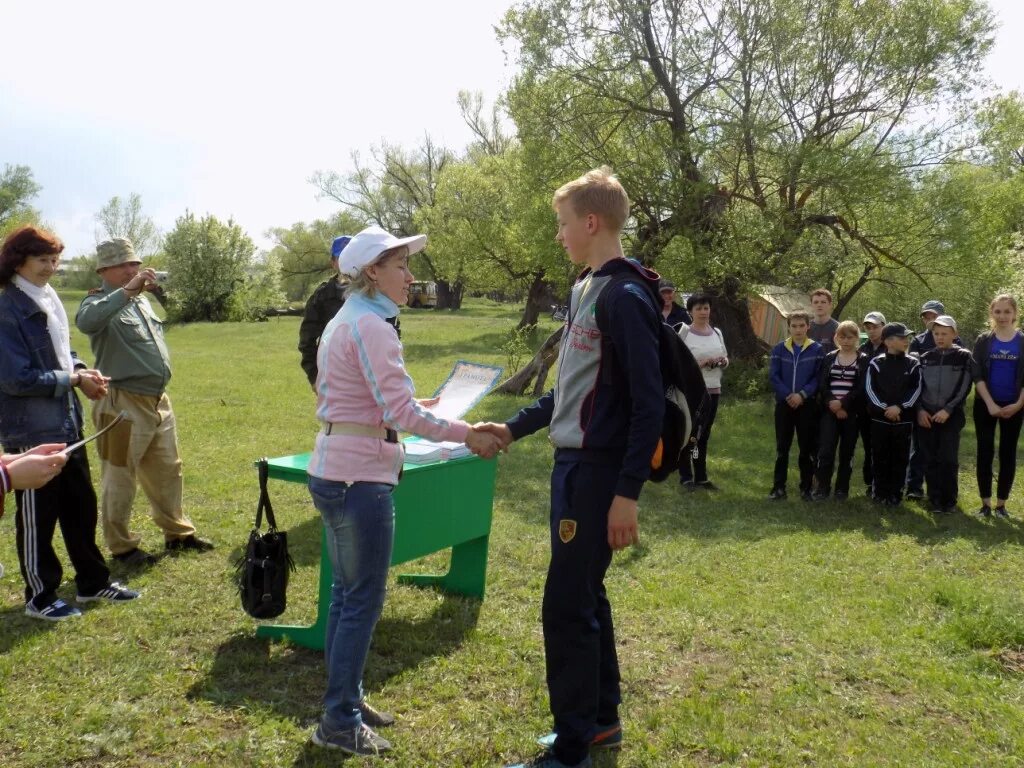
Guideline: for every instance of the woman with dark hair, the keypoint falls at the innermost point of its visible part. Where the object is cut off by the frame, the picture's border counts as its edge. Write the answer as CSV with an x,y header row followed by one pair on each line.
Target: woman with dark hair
x,y
708,347
999,381
364,394
39,373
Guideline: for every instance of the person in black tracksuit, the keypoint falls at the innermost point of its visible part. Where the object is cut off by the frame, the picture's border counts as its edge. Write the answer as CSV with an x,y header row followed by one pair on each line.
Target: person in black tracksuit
x,y
945,384
840,381
873,346
892,385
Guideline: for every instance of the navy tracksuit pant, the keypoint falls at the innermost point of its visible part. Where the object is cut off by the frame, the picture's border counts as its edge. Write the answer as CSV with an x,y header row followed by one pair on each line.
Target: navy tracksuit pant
x,y
940,447
579,640
890,452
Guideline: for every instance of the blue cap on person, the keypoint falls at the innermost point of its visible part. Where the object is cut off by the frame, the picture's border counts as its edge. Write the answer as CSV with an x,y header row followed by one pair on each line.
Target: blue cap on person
x,y
366,247
339,245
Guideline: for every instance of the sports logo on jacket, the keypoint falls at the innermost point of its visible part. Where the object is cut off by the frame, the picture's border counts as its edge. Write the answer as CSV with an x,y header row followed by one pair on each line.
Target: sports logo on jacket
x,y
566,530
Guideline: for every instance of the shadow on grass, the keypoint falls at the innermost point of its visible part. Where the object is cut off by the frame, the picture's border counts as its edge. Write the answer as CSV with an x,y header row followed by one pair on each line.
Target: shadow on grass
x,y
17,627
249,672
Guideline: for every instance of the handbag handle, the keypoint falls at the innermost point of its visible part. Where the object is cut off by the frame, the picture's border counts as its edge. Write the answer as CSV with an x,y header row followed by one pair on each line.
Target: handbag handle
x,y
264,503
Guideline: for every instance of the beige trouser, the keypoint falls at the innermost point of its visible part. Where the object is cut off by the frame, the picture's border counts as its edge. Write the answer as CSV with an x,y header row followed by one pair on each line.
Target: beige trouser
x,y
143,446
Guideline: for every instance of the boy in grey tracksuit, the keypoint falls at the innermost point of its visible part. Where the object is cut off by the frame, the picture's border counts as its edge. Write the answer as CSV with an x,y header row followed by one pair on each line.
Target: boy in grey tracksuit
x,y
945,383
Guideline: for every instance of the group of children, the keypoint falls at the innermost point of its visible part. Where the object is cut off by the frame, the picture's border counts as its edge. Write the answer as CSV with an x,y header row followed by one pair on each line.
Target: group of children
x,y
904,395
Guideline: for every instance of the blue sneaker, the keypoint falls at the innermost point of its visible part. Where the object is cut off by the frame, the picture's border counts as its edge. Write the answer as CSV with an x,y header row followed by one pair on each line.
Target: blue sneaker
x,y
548,760
58,610
607,737
112,593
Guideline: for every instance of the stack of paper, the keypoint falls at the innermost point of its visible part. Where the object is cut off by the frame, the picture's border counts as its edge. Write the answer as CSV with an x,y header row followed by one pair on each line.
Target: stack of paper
x,y
422,452
453,450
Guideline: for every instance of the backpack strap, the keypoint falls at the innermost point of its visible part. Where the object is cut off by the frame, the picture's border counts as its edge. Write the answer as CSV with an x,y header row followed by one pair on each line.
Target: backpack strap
x,y
601,316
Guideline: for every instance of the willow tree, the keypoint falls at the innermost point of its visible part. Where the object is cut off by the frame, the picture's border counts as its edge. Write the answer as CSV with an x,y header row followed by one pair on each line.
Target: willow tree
x,y
761,140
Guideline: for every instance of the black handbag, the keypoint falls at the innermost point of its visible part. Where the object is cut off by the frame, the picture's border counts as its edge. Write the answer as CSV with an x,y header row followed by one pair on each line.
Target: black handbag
x,y
263,569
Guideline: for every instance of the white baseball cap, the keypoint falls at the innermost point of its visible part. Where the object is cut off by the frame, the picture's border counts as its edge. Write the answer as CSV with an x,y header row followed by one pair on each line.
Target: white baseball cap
x,y
366,247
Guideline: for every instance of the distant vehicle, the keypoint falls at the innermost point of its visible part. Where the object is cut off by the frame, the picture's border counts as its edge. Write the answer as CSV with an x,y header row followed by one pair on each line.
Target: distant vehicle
x,y
559,312
423,294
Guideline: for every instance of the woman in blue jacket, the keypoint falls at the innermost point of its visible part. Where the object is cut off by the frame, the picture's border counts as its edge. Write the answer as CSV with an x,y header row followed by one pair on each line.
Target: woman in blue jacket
x,y
38,376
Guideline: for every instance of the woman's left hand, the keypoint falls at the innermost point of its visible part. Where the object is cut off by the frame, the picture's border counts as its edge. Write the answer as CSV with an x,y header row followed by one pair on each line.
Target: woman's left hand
x,y
428,402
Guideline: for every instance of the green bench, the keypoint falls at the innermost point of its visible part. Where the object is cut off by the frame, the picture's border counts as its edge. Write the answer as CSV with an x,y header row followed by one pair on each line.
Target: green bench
x,y
437,506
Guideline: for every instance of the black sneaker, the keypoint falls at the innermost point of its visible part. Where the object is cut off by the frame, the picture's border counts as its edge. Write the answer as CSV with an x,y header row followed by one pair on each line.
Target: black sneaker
x,y
548,760
190,543
375,718
841,495
352,741
135,558
706,485
607,737
914,495
1001,512
777,494
807,496
687,485
819,496
985,511
112,593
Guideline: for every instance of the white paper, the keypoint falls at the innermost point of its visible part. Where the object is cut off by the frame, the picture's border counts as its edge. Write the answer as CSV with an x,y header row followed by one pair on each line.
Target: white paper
x,y
465,387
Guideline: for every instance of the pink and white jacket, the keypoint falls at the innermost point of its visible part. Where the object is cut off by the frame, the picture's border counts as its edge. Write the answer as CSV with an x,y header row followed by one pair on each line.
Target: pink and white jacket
x,y
362,380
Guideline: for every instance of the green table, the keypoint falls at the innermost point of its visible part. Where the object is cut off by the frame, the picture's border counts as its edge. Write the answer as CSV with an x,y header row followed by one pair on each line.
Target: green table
x,y
437,506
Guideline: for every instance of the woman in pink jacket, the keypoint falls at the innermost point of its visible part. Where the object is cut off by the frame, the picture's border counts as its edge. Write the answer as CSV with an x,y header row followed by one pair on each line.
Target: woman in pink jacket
x,y
363,396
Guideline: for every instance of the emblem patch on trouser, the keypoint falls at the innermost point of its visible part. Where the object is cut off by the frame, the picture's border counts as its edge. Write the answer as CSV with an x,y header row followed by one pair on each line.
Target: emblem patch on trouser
x,y
566,530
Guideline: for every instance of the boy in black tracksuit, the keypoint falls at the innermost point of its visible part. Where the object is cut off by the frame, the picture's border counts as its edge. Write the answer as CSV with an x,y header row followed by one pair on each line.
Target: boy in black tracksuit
x,y
604,418
945,383
892,386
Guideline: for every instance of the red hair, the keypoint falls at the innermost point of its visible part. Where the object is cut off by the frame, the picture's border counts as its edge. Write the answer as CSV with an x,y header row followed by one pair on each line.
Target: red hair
x,y
24,243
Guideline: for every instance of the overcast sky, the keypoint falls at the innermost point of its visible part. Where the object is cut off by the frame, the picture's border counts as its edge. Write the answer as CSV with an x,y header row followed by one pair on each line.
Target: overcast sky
x,y
229,107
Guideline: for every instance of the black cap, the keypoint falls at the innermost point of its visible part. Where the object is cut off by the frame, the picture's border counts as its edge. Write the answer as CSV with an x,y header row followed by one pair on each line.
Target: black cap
x,y
895,329
666,285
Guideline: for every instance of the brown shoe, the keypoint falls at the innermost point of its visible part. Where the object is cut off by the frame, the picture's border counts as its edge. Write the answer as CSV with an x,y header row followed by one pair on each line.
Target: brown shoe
x,y
373,718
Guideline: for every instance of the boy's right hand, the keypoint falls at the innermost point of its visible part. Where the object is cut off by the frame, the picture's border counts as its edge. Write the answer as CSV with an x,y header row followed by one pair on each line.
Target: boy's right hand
x,y
892,413
924,420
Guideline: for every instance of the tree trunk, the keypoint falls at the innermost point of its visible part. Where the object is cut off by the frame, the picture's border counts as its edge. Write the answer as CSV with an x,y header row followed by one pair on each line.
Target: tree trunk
x,y
731,313
537,368
538,300
449,295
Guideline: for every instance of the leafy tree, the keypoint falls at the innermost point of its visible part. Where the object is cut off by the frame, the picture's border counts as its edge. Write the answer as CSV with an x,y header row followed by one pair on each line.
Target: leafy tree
x,y
390,192
211,272
17,188
304,251
777,138
124,218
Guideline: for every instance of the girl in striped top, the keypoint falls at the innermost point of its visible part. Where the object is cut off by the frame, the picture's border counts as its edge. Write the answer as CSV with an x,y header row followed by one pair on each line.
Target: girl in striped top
x,y
839,387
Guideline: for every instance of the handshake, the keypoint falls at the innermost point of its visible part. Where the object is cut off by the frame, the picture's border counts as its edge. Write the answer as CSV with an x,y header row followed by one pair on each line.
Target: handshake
x,y
487,439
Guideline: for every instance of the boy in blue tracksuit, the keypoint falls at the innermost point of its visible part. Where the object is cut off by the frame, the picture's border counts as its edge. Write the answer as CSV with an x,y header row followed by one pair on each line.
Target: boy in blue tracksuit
x,y
604,417
793,373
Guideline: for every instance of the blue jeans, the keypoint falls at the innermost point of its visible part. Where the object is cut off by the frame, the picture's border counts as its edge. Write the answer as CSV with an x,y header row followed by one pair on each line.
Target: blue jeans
x,y
359,521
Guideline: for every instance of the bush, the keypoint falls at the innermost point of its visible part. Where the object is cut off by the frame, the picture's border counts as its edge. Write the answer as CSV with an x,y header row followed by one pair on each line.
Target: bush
x,y
747,379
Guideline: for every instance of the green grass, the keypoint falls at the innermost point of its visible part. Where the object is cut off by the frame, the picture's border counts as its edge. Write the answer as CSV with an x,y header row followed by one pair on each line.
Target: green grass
x,y
750,634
